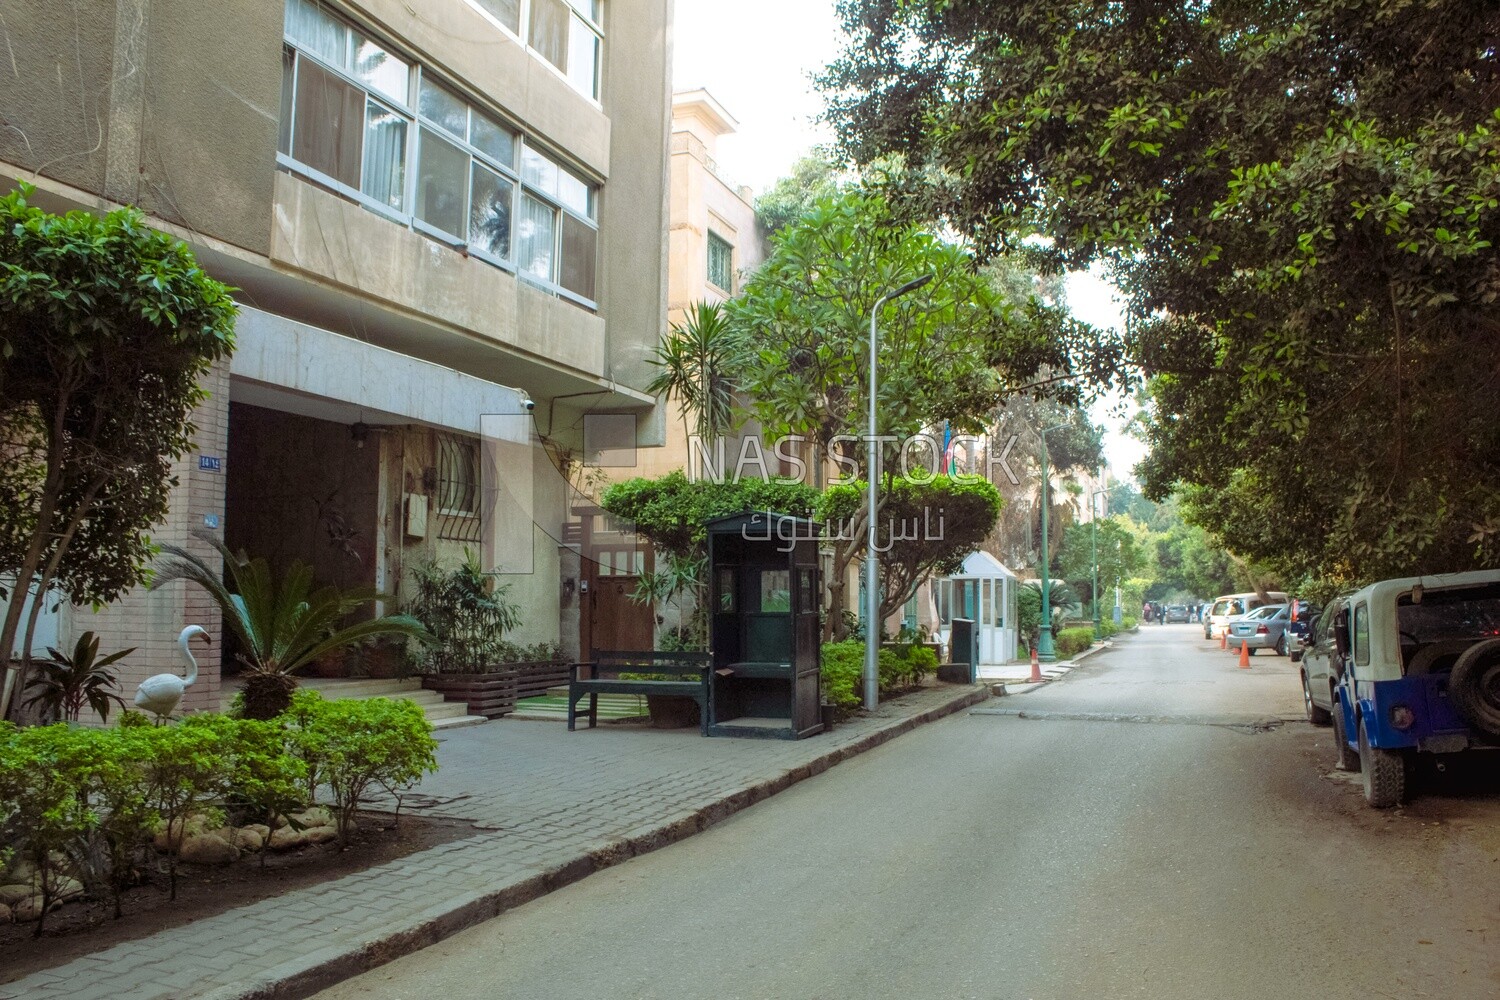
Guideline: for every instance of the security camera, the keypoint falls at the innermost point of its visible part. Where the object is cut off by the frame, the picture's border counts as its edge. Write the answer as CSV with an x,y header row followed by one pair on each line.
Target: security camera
x,y
529,404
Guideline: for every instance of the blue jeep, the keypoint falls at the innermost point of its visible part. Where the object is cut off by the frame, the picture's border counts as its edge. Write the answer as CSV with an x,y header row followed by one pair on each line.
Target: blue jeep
x,y
1419,673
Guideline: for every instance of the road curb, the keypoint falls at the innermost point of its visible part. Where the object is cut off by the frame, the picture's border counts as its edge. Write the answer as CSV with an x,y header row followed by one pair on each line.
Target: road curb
x,y
309,974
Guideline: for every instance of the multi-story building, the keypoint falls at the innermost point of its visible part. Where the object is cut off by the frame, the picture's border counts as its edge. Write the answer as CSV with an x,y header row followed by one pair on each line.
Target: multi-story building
x,y
715,241
446,223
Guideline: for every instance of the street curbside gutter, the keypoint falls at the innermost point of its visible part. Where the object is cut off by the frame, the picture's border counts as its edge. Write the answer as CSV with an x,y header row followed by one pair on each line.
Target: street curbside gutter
x,y
310,973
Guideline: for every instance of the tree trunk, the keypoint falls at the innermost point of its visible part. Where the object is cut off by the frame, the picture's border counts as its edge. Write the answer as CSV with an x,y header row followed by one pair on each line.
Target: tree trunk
x,y
268,695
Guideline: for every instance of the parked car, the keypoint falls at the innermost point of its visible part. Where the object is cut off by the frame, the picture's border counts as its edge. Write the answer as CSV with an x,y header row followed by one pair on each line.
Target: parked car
x,y
1264,628
1177,614
1321,662
1232,606
1301,624
1422,676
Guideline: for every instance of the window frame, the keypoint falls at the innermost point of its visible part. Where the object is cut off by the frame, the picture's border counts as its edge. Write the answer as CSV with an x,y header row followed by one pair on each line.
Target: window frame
x,y
1361,647
714,239
410,111
451,446
521,35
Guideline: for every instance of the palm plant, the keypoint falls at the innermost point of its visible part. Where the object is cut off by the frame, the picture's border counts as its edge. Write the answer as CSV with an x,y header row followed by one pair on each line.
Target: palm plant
x,y
64,684
698,363
282,628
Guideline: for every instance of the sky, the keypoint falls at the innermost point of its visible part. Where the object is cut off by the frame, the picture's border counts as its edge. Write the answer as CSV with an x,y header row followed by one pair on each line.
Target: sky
x,y
756,59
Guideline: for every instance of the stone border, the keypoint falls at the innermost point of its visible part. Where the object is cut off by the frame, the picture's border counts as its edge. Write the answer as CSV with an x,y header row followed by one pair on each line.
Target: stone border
x,y
321,969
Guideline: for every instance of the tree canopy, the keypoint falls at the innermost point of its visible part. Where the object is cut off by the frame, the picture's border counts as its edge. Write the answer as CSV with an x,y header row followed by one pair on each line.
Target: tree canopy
x,y
950,351
927,527
106,327
1300,202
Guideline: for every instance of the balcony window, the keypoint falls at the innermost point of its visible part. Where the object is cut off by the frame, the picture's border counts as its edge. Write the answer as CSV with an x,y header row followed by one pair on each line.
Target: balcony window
x,y
449,169
568,34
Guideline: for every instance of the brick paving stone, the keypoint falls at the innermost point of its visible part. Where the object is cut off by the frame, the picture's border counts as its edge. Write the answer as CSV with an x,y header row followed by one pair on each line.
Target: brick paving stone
x,y
550,803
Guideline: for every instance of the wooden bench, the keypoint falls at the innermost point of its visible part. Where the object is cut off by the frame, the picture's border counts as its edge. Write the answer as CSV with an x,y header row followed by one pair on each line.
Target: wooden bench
x,y
692,668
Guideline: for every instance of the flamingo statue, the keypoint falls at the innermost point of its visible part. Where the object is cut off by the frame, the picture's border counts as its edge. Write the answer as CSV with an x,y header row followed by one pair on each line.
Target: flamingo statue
x,y
160,694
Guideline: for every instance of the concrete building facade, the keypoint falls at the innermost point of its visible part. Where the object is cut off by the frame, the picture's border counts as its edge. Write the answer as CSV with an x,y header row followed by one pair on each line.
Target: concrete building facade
x,y
446,223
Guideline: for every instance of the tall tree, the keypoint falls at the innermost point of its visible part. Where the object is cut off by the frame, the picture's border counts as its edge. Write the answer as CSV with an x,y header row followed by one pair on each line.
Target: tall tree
x,y
927,527
106,327
951,351
696,366
1299,201
813,179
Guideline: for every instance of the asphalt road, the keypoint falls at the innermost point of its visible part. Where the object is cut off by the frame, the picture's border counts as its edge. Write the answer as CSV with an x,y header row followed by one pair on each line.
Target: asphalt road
x,y
1040,859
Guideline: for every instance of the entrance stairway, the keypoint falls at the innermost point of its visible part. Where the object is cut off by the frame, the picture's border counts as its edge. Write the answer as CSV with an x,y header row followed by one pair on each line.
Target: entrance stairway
x,y
442,714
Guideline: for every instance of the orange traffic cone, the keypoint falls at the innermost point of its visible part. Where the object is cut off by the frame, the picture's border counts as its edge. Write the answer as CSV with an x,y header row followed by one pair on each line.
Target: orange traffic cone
x,y
1244,656
1036,667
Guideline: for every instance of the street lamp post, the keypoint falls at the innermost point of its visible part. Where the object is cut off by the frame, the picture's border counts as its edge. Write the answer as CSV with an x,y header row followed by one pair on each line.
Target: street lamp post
x,y
1044,649
1094,547
872,592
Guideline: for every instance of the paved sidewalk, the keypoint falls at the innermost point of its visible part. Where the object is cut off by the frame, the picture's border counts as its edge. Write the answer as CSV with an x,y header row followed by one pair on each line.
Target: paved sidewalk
x,y
551,807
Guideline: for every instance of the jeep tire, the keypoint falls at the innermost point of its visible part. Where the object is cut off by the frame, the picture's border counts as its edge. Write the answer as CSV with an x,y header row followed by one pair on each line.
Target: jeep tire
x,y
1474,688
1383,772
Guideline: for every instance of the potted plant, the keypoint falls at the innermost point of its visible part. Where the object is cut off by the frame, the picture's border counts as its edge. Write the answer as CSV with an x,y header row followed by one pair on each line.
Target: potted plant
x,y
281,628
468,613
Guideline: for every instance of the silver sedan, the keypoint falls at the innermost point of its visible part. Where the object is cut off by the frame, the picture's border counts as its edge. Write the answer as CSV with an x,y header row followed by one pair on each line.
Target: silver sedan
x,y
1263,628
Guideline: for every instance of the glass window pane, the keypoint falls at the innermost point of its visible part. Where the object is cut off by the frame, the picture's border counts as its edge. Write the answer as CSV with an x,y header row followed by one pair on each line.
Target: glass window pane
x,y
288,84
381,71
385,156
489,212
574,194
507,12
493,139
583,57
720,262
330,119
726,590
549,31
538,171
442,184
314,31
443,108
580,242
536,234
775,590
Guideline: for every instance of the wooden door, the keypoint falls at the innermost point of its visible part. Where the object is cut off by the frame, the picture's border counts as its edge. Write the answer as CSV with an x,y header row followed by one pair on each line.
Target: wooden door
x,y
610,618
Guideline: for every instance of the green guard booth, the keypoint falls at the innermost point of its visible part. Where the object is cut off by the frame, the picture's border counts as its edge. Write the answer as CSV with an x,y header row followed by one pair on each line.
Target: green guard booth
x,y
764,632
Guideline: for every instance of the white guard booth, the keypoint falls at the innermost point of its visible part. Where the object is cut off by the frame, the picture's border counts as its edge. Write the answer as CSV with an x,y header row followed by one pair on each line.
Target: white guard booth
x,y
985,592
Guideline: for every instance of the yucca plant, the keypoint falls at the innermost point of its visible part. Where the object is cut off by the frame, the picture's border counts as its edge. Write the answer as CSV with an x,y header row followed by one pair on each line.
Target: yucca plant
x,y
65,684
697,365
280,628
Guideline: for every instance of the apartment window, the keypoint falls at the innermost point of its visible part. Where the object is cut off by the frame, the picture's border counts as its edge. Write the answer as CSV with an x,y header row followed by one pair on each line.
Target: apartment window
x,y
358,118
344,106
458,475
566,33
720,262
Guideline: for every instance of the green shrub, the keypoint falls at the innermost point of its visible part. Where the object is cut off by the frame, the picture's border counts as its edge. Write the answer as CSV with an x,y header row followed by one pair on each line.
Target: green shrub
x,y
188,766
351,745
922,662
46,774
466,611
892,670
899,667
843,667
1071,641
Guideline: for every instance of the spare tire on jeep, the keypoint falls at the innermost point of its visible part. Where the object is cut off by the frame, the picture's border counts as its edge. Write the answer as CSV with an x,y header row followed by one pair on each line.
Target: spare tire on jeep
x,y
1474,687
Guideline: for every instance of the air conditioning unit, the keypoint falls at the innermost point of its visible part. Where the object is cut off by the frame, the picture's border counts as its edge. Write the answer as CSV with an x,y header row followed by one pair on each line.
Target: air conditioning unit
x,y
416,515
